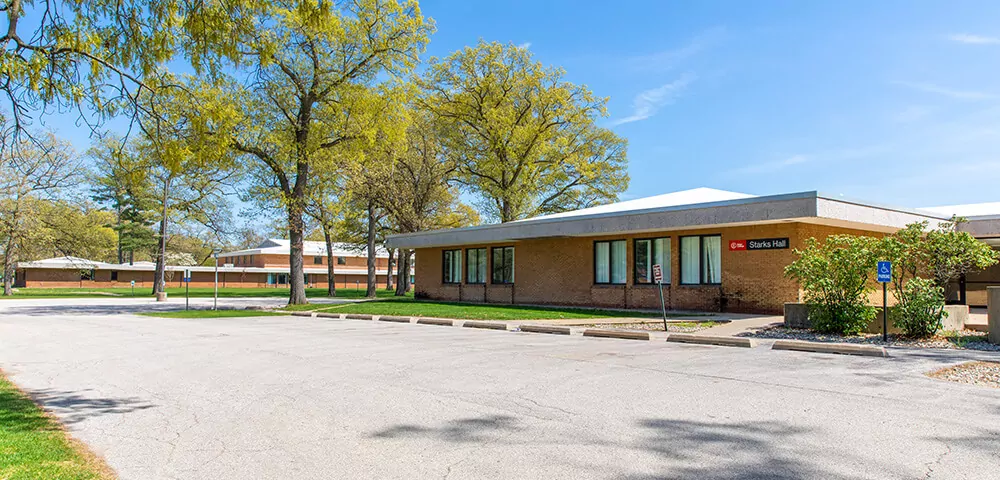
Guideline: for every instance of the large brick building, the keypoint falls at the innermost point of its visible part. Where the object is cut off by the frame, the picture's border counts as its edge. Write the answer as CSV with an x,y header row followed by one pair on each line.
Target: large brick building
x,y
264,266
717,250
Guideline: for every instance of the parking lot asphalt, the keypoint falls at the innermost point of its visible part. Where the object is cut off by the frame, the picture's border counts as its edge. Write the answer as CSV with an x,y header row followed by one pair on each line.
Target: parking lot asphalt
x,y
298,397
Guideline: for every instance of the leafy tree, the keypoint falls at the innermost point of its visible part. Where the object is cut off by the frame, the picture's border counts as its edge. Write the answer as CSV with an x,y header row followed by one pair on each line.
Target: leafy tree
x,y
120,180
76,230
29,172
188,163
951,253
103,55
523,139
836,277
312,68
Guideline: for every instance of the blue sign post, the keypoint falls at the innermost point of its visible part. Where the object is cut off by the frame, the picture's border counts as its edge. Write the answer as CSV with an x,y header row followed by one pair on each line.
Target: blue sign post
x,y
884,275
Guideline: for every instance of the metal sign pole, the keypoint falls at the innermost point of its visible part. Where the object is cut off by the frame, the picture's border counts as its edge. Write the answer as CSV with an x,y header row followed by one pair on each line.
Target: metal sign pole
x,y
215,298
885,312
187,297
663,306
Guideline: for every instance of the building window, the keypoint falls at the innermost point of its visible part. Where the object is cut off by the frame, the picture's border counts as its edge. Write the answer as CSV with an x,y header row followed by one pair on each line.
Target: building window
x,y
87,274
503,264
701,260
341,260
114,275
610,263
649,252
452,263
475,265
317,260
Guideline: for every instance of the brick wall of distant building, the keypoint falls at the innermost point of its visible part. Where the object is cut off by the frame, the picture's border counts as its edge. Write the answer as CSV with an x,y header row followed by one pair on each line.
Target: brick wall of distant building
x,y
560,271
72,278
310,261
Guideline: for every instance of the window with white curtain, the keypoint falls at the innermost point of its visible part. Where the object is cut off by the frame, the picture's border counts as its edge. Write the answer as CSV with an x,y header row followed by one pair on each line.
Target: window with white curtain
x,y
711,259
475,265
452,263
701,260
649,252
610,262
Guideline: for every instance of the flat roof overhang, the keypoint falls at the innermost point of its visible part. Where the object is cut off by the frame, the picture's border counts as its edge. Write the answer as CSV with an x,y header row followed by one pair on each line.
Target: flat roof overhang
x,y
806,207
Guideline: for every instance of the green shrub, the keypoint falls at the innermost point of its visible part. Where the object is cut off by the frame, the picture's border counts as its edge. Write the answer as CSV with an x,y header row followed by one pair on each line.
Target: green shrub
x,y
920,309
835,276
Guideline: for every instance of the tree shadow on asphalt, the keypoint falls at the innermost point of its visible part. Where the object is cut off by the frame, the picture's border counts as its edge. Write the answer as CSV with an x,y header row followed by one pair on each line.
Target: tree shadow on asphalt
x,y
712,450
74,407
457,431
46,310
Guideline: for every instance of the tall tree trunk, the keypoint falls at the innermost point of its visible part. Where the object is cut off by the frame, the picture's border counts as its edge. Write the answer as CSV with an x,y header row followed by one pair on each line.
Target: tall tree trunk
x,y
121,259
406,271
403,280
296,228
331,274
8,274
388,270
159,276
372,286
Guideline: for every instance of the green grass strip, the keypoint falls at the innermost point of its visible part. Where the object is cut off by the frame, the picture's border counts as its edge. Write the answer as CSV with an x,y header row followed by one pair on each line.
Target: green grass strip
x,y
33,445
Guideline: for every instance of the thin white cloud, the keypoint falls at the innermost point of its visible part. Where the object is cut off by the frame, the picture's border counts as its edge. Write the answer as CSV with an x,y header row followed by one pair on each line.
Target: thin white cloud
x,y
648,102
973,39
525,45
948,92
667,59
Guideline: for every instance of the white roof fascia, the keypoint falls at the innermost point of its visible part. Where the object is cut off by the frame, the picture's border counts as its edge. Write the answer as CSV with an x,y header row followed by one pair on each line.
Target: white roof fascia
x,y
766,209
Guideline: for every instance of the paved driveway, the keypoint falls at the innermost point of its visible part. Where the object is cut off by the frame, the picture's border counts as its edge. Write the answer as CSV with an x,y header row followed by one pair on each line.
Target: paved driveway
x,y
293,397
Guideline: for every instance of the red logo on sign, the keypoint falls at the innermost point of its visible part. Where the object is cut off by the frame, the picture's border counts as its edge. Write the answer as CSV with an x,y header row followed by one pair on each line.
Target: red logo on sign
x,y
737,245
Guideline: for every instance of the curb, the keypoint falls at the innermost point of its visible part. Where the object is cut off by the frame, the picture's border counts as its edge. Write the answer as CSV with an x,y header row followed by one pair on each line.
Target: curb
x,y
627,335
545,329
436,321
302,314
391,318
357,316
841,348
712,340
486,325
329,315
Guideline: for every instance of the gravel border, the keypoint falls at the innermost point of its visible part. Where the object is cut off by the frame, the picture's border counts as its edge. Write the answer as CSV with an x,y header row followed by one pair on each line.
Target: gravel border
x,y
985,374
965,340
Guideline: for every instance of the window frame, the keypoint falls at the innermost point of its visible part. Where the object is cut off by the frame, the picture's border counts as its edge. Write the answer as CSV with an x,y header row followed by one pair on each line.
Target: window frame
x,y
468,264
701,259
667,259
317,260
503,257
611,262
341,260
444,265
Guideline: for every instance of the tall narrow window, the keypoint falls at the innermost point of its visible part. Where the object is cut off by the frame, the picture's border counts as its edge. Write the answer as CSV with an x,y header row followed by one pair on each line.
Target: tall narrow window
x,y
475,265
452,263
711,259
649,252
503,264
701,260
317,260
341,260
610,264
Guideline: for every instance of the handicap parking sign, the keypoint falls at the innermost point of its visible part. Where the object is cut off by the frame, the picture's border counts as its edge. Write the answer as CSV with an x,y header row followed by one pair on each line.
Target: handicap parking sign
x,y
884,272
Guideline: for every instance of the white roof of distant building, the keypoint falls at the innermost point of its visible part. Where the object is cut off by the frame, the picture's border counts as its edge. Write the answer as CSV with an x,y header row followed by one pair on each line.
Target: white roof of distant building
x,y
280,246
673,199
74,263
968,210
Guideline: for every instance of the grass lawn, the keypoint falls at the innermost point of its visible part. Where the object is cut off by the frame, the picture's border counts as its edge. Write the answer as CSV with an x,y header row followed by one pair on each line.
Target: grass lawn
x,y
210,314
465,311
34,446
178,292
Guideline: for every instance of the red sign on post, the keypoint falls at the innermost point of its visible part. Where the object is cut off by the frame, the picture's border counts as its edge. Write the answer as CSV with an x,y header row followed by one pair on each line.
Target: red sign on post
x,y
657,273
737,245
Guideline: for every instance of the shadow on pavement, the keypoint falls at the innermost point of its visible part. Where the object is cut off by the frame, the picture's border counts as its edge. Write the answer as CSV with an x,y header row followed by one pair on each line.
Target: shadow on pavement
x,y
74,407
710,450
457,431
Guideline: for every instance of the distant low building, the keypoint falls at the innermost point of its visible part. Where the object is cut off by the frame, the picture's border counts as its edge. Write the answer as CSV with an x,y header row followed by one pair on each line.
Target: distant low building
x,y
264,266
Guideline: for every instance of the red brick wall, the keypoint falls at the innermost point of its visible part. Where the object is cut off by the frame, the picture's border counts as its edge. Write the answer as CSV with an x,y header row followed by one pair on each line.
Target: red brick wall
x,y
561,271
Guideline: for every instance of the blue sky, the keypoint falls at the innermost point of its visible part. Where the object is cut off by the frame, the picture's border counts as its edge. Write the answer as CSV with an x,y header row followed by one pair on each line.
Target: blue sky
x,y
893,101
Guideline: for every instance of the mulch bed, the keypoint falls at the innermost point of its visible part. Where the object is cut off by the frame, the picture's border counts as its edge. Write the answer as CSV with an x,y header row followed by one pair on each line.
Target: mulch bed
x,y
975,373
967,339
653,326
